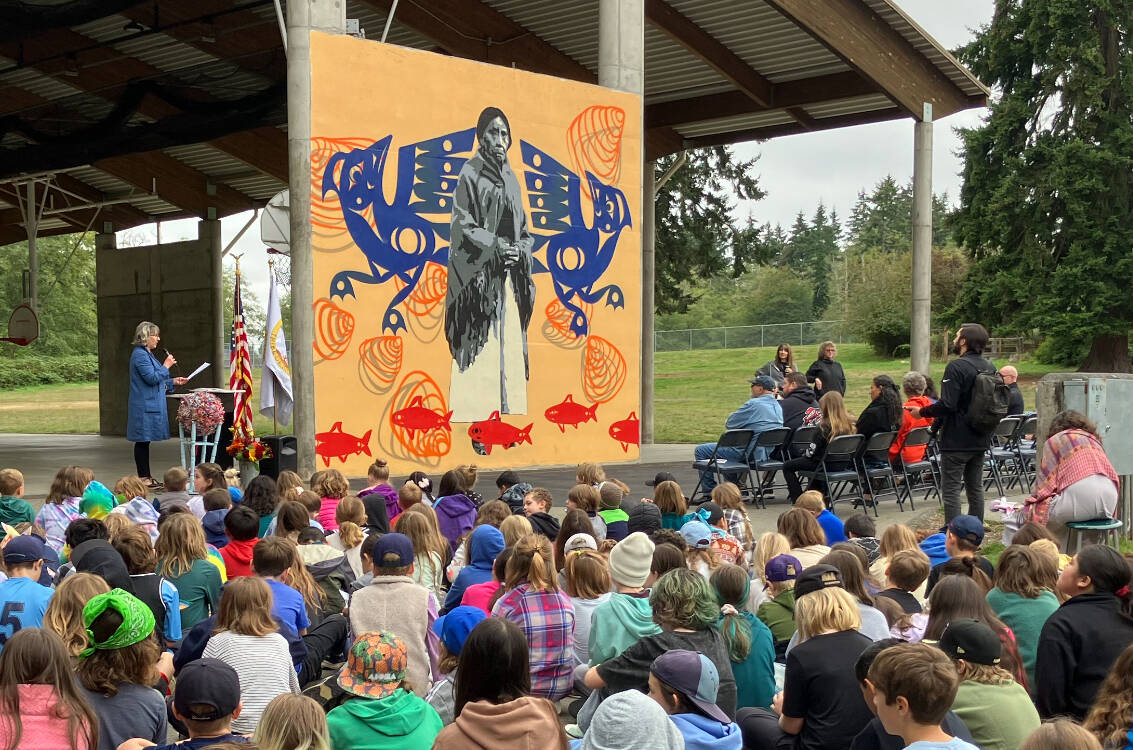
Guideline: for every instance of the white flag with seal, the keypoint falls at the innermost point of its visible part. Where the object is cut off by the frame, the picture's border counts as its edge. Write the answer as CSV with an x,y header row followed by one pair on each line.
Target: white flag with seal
x,y
276,398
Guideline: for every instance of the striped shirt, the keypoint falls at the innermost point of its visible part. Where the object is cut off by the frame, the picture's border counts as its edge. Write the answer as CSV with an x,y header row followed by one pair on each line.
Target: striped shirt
x,y
264,666
547,619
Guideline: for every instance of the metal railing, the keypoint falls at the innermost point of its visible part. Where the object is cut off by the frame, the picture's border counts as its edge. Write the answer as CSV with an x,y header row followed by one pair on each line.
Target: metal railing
x,y
806,333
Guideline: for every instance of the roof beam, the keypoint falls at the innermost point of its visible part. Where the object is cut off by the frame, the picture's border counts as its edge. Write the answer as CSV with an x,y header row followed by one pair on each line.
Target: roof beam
x,y
853,32
176,184
794,128
798,93
264,149
709,49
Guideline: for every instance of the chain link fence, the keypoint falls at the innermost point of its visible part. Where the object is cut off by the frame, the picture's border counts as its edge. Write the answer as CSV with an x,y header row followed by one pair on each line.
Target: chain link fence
x,y
807,333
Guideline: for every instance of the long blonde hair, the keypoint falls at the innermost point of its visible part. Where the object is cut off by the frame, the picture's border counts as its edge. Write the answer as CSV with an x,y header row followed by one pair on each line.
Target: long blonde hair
x,y
245,608
771,544
824,611
180,543
292,722
895,538
350,516
428,544
836,420
668,498
590,473
515,528
64,613
532,561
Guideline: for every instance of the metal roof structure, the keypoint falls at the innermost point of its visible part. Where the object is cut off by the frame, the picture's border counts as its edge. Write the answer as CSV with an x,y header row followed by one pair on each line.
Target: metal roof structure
x,y
133,112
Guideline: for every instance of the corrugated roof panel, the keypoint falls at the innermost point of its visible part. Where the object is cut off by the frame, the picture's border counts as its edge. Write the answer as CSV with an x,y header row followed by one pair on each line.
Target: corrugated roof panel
x,y
258,187
35,82
101,181
670,67
849,106
208,160
571,28
739,122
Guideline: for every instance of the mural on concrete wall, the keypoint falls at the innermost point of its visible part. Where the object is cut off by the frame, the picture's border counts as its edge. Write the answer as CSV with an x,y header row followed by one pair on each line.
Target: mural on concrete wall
x,y
477,262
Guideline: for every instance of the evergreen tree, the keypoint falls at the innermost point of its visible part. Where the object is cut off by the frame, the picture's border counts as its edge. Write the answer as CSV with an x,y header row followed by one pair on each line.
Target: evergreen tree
x,y
1045,209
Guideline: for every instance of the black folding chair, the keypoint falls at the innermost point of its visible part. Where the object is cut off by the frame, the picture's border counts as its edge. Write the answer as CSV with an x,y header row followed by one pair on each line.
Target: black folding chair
x,y
840,451
739,440
916,438
1025,450
876,466
800,441
1001,462
766,469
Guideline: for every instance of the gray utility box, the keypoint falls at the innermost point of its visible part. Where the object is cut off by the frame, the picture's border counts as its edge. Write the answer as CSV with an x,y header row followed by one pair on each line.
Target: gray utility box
x,y
1107,399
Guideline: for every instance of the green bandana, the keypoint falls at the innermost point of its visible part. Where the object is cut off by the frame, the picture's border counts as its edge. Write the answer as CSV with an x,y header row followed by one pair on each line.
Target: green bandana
x,y
137,621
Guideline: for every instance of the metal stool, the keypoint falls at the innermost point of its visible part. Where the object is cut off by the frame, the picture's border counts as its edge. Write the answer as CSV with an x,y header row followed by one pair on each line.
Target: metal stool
x,y
1107,526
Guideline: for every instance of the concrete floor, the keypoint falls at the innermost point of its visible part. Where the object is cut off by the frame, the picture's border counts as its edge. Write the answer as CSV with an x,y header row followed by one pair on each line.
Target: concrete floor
x,y
40,456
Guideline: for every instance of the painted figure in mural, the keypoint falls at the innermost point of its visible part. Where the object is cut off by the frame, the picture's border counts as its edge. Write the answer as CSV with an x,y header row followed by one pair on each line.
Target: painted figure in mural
x,y
491,294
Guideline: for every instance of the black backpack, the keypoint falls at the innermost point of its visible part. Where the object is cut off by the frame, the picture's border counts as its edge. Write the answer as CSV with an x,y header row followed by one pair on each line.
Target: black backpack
x,y
988,406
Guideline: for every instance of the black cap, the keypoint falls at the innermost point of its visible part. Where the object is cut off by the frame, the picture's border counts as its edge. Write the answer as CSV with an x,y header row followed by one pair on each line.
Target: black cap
x,y
715,512
816,578
971,641
662,476
206,690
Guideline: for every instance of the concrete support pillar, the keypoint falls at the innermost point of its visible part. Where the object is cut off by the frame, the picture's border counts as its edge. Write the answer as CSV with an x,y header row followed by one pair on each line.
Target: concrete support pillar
x,y
32,225
208,233
303,16
921,328
621,65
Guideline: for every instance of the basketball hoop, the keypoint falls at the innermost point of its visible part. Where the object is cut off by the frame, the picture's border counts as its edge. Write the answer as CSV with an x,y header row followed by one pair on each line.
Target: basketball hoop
x,y
23,326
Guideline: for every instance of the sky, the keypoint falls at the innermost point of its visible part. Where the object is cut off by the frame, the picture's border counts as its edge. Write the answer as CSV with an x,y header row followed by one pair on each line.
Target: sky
x,y
795,171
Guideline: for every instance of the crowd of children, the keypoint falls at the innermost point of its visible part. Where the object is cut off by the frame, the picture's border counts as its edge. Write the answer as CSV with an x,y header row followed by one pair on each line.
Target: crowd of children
x,y
298,614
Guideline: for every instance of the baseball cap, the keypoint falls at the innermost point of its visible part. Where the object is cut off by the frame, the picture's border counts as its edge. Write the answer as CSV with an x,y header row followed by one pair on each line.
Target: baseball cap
x,y
697,534
714,511
782,568
206,690
393,544
24,549
766,382
968,528
580,541
971,641
816,578
453,628
694,676
375,665
662,476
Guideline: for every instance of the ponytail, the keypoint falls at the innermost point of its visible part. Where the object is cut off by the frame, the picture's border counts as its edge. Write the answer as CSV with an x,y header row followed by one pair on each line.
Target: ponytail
x,y
731,586
350,514
351,534
532,561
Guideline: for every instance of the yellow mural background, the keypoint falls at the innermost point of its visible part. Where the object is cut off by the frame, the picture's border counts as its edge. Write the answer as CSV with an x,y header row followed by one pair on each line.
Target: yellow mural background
x,y
363,91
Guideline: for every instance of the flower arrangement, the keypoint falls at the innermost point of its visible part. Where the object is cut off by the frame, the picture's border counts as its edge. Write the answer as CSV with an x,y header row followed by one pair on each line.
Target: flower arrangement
x,y
203,410
245,446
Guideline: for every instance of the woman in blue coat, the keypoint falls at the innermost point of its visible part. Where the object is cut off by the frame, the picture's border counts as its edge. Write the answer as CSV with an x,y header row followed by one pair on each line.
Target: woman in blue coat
x,y
149,382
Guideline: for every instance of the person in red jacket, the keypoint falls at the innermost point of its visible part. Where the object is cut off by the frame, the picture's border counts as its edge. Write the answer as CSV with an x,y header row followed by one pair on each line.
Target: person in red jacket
x,y
240,526
913,385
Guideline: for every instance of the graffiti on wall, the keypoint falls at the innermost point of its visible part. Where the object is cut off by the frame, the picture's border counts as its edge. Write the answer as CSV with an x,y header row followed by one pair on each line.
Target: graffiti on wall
x,y
477,262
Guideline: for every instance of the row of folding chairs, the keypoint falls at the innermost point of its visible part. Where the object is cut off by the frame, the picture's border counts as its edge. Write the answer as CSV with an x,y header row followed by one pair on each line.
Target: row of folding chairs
x,y
850,462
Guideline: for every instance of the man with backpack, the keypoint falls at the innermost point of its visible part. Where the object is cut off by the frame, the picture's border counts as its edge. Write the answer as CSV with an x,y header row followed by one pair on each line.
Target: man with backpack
x,y
973,399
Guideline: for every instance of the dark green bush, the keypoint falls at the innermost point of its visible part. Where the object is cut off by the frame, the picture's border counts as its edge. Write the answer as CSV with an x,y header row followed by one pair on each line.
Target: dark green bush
x,y
42,370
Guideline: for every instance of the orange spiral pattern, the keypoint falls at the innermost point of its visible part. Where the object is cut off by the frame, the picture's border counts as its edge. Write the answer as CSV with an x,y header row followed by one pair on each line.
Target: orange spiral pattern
x,y
556,328
424,443
333,329
326,214
604,370
594,140
379,362
430,290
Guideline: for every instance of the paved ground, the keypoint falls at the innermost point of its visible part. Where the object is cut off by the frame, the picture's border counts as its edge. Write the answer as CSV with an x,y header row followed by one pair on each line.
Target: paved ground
x,y
40,456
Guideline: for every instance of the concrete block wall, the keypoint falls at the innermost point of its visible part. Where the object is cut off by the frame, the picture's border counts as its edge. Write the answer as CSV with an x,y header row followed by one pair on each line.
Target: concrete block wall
x,y
174,285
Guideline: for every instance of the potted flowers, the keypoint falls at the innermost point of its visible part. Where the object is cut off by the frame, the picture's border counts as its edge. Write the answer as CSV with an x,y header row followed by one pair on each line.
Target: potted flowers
x,y
248,450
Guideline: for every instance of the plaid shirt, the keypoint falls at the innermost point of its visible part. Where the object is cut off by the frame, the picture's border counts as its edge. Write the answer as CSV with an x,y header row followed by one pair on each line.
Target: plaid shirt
x,y
738,526
547,619
1068,457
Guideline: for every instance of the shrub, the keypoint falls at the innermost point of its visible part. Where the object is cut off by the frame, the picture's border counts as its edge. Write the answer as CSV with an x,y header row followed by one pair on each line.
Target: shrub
x,y
43,370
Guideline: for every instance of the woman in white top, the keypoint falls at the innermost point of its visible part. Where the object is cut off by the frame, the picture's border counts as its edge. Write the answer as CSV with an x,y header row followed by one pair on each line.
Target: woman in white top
x,y
248,640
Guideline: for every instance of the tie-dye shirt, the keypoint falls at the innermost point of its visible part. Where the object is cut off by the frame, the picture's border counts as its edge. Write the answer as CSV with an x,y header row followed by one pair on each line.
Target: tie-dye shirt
x,y
54,518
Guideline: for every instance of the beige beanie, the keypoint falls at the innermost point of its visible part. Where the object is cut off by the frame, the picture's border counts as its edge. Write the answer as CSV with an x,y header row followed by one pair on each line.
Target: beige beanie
x,y
630,560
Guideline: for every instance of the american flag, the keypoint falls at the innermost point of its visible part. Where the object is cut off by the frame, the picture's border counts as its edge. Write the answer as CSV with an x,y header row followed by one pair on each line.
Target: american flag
x,y
240,365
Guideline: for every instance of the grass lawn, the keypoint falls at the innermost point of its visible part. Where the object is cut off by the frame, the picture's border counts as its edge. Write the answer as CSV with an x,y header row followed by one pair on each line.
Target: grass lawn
x,y
695,392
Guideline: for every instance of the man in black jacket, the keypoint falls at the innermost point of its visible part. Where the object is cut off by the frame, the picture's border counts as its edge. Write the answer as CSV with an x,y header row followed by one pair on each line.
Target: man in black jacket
x,y
825,373
797,398
1015,405
962,448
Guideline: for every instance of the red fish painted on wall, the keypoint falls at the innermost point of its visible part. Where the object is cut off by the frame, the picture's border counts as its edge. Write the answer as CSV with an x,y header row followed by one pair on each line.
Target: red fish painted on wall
x,y
417,417
627,431
568,412
334,443
495,431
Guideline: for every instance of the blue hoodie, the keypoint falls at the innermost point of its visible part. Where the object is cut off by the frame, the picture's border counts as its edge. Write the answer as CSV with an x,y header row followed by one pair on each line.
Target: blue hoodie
x,y
933,546
484,545
214,527
702,733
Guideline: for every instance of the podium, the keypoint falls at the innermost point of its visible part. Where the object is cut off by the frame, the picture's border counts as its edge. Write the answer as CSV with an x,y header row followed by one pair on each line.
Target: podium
x,y
197,449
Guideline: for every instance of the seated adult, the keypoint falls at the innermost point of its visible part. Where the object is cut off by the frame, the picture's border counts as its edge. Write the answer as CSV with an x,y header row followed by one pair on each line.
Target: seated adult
x,y
883,413
759,413
1076,481
779,368
835,423
913,384
826,374
1015,405
798,397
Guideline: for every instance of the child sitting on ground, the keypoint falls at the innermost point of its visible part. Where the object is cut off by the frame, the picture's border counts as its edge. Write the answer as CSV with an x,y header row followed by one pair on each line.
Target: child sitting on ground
x,y
861,530
907,570
962,538
537,507
453,630
913,686
13,508
332,487
778,612
175,480
832,526
685,684
217,503
206,700
610,510
23,600
379,498
241,526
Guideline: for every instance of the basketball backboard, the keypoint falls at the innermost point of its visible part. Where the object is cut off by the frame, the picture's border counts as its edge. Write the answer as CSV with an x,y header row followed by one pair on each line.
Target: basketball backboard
x,y
23,326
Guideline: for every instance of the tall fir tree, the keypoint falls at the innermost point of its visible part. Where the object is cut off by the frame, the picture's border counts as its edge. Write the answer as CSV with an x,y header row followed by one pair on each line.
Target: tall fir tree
x,y
1045,209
